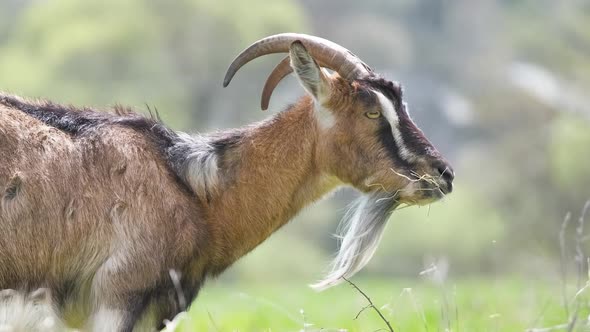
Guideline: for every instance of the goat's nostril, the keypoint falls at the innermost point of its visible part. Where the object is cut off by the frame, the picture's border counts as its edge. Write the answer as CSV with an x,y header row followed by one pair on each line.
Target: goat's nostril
x,y
446,172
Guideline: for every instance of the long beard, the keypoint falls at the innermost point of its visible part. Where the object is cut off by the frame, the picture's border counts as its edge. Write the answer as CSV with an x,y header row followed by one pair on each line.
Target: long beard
x,y
360,231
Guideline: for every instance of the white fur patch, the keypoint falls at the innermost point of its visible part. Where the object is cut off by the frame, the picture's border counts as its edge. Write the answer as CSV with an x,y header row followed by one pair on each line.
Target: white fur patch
x,y
324,116
32,312
106,319
200,169
391,115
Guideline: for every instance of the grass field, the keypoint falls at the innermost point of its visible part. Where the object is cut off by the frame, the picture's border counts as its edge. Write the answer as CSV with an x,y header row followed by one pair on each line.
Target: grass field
x,y
413,305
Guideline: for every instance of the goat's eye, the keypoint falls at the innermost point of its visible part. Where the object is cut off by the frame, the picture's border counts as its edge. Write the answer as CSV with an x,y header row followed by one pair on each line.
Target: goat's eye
x,y
373,114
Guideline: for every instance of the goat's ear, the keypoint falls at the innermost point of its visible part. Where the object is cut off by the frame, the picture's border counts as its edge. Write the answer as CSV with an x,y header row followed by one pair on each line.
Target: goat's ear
x,y
312,77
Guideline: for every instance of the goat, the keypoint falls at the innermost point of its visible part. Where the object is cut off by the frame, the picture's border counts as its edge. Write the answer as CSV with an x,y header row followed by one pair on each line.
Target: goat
x,y
99,208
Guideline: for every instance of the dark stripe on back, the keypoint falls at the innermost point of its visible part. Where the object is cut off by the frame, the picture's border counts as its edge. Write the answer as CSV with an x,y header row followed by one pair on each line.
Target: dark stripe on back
x,y
82,122
65,118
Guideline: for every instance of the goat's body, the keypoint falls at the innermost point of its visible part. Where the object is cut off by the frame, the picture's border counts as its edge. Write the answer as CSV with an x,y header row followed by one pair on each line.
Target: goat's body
x,y
100,217
79,217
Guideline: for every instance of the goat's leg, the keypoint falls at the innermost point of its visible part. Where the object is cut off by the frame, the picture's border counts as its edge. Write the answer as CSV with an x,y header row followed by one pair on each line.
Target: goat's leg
x,y
120,315
107,319
122,292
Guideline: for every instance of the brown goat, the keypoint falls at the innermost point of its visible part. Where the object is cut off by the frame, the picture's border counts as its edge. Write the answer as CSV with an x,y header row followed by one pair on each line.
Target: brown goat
x,y
99,208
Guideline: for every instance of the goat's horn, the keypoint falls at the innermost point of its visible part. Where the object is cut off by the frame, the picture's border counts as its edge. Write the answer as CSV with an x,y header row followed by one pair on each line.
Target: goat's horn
x,y
281,70
328,53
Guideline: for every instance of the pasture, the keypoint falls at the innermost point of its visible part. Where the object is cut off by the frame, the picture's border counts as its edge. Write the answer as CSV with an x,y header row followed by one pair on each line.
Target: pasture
x,y
505,304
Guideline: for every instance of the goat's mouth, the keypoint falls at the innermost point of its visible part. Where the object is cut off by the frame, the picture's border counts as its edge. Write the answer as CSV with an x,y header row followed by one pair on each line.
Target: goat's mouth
x,y
423,190
411,188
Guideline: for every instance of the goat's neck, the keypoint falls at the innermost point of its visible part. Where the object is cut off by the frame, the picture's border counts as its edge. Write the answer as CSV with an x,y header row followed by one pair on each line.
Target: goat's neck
x,y
278,173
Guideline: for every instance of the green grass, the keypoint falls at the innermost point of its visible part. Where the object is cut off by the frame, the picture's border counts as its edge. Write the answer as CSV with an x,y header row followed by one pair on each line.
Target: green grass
x,y
413,305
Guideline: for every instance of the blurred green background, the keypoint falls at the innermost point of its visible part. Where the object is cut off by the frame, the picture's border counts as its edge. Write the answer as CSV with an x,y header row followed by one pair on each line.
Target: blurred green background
x,y
500,87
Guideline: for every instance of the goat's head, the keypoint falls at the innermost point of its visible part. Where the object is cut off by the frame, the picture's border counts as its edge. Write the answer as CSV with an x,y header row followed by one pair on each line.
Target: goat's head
x,y
367,138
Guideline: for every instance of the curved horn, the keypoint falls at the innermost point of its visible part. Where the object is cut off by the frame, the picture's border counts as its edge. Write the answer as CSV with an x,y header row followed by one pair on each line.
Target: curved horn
x,y
281,70
329,53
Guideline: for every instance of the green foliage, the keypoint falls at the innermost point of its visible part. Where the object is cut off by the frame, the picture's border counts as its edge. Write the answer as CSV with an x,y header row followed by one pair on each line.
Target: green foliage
x,y
469,305
253,19
554,34
463,228
163,53
570,153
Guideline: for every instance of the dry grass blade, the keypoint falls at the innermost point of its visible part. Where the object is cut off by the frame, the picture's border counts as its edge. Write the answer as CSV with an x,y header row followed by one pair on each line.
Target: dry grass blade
x,y
559,327
580,260
572,309
370,305
563,262
212,321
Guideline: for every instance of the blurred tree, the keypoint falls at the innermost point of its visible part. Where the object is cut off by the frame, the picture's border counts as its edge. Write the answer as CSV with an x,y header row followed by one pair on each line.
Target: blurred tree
x,y
570,157
163,53
555,34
